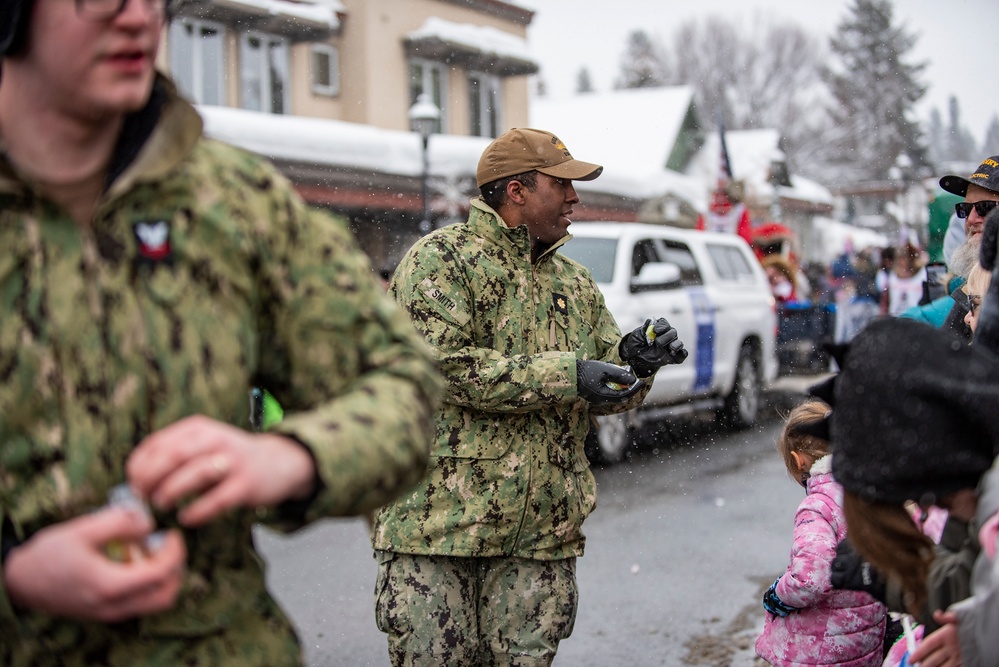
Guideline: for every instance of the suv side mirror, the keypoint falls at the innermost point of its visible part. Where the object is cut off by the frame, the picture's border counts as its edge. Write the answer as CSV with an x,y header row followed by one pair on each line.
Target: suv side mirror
x,y
656,275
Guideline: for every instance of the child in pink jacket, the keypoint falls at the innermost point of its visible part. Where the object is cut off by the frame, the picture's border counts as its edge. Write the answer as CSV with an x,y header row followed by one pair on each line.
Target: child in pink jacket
x,y
809,622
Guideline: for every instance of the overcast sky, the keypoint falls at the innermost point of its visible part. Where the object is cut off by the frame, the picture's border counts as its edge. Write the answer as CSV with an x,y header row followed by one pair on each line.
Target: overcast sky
x,y
958,39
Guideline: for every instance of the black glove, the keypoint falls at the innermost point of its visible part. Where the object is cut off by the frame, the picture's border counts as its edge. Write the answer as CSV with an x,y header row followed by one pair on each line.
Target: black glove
x,y
851,572
646,358
773,604
600,382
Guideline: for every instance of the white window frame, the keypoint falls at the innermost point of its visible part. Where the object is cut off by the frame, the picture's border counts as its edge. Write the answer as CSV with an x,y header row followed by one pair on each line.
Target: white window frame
x,y
194,83
282,63
332,53
438,97
489,118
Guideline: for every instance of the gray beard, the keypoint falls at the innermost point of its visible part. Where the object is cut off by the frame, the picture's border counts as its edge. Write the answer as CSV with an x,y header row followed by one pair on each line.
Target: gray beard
x,y
965,256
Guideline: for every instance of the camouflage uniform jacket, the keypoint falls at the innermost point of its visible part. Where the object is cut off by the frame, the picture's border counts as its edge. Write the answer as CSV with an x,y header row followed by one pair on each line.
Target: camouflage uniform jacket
x,y
508,474
203,274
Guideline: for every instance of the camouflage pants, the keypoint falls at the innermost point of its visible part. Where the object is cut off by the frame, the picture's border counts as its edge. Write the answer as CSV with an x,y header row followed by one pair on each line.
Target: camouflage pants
x,y
470,612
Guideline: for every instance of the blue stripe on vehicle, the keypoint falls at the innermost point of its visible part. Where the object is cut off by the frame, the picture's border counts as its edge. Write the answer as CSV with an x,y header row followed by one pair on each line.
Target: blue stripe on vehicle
x,y
704,354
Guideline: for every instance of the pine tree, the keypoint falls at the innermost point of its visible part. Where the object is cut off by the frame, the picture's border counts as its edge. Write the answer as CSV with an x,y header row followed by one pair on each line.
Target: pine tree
x,y
641,64
583,82
991,144
960,143
874,90
936,138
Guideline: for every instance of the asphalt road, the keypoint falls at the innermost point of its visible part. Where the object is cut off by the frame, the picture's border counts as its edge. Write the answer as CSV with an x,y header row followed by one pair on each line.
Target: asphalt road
x,y
687,534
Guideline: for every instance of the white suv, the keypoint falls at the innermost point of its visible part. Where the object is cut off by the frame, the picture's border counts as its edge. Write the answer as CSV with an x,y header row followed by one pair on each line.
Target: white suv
x,y
710,287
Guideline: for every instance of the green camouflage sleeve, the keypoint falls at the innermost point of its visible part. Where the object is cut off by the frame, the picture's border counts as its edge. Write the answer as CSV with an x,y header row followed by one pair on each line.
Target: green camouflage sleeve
x,y
357,384
492,379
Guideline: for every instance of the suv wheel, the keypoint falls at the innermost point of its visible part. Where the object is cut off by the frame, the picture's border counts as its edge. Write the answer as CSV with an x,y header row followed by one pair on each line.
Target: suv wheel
x,y
743,404
607,442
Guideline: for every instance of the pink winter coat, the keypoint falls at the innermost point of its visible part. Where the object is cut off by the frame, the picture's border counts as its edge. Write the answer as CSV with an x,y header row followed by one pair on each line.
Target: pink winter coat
x,y
832,627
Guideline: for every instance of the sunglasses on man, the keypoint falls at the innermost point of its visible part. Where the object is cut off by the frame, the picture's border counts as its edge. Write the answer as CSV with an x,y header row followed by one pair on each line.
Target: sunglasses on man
x,y
983,208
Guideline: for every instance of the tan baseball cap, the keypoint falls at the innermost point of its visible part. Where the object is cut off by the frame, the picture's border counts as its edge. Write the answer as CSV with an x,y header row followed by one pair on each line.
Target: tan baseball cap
x,y
524,149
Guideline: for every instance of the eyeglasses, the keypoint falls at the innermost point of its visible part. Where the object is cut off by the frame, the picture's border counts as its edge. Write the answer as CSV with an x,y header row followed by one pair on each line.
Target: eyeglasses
x,y
983,208
99,10
974,303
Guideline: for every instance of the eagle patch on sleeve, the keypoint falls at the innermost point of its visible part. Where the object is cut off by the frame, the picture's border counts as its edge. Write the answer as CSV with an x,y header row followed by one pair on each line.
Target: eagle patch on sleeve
x,y
445,303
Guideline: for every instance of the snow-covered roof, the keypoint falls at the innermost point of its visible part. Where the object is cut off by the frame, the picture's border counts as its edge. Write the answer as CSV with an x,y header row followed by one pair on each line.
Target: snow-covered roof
x,y
300,20
807,190
315,11
751,154
339,144
335,143
488,48
630,132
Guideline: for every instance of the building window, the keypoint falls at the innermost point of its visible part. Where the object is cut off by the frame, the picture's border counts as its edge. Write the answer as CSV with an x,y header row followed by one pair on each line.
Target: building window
x,y
325,69
483,104
426,76
197,59
263,73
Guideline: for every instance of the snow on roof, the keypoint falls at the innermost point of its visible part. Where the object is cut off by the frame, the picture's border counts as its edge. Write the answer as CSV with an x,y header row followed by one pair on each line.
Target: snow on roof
x,y
311,11
340,144
629,168
333,143
808,190
480,38
623,128
630,132
751,154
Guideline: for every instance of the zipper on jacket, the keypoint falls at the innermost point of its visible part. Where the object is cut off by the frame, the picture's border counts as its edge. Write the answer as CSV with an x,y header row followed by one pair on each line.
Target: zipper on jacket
x,y
533,298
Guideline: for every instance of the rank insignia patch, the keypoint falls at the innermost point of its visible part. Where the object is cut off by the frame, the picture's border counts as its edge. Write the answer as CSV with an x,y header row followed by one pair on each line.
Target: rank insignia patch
x,y
561,304
154,240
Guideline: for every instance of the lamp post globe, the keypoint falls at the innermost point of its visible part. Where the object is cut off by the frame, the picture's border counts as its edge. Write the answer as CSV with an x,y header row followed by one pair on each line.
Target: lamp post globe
x,y
423,118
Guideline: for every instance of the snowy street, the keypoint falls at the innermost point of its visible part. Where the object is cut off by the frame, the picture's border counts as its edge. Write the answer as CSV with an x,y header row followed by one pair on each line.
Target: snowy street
x,y
685,539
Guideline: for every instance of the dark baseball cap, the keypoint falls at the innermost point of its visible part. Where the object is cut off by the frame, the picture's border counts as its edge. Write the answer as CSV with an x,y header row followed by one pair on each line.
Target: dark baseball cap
x,y
520,150
986,176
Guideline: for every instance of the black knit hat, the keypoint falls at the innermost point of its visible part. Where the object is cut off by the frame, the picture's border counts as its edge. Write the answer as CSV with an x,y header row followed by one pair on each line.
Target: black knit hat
x,y
916,413
14,15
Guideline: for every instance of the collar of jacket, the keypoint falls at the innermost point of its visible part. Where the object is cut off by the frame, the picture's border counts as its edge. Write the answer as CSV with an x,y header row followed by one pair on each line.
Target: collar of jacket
x,y
486,222
820,472
153,141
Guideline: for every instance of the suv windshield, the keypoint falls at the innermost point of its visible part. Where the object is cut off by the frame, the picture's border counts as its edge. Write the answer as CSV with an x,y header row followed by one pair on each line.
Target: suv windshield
x,y
595,254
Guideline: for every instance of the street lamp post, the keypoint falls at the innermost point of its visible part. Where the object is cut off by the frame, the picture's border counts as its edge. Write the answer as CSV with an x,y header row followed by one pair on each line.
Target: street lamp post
x,y
423,117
